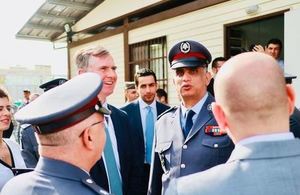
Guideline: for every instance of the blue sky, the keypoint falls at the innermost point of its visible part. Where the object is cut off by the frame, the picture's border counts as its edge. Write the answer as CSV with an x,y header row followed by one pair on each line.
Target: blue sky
x,y
13,15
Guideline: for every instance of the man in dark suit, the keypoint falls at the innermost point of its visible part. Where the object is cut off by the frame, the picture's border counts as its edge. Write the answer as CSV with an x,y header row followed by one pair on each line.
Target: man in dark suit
x,y
146,85
117,172
187,139
216,64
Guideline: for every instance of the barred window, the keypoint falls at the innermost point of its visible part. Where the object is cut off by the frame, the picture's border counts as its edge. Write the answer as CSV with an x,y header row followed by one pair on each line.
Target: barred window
x,y
150,54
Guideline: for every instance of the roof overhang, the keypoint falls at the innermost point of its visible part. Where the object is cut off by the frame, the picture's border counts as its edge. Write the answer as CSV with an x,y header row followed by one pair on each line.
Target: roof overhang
x,y
47,23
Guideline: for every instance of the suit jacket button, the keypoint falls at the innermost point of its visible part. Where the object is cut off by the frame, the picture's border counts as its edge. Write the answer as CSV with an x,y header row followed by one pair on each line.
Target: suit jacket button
x,y
216,145
182,166
184,146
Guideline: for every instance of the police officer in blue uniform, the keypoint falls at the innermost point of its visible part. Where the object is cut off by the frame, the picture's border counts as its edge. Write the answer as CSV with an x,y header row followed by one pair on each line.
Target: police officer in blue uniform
x,y
188,139
69,121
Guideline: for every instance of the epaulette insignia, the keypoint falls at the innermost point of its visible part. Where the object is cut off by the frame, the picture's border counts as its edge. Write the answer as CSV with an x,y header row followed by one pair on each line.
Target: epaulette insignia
x,y
169,110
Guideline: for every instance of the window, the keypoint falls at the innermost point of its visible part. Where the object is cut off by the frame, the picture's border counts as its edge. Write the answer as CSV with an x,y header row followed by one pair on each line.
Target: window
x,y
150,54
241,36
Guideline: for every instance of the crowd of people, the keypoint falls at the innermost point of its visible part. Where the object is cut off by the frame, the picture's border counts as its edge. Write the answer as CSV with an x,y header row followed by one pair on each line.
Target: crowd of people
x,y
232,133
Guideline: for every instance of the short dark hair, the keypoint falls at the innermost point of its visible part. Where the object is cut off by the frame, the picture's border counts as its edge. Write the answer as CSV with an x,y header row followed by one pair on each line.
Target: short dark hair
x,y
142,73
275,41
161,92
216,60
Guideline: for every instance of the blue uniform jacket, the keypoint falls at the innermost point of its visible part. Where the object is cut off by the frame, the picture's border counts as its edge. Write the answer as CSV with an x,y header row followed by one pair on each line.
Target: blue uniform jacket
x,y
29,146
176,156
53,177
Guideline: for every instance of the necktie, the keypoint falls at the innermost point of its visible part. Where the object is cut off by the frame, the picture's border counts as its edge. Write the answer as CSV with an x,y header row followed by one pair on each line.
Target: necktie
x,y
149,134
115,183
188,122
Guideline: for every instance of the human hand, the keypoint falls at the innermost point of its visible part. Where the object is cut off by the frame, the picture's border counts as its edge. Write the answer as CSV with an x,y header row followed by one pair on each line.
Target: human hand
x,y
258,48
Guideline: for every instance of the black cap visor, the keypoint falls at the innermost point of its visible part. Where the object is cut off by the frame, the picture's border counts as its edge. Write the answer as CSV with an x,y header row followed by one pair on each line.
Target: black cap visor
x,y
289,78
188,63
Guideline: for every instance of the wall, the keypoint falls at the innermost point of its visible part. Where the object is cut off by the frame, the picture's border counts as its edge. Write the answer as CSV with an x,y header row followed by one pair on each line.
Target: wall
x,y
109,10
205,25
292,42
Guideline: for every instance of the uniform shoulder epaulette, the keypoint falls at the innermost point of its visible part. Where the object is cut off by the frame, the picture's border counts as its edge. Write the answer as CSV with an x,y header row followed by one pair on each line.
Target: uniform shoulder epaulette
x,y
167,111
24,126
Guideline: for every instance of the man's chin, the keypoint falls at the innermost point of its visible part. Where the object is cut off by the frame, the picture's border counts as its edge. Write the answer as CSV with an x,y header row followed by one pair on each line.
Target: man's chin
x,y
149,100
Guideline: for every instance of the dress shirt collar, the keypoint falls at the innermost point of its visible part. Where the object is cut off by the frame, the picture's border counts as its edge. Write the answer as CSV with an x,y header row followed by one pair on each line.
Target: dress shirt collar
x,y
196,108
105,105
267,137
144,105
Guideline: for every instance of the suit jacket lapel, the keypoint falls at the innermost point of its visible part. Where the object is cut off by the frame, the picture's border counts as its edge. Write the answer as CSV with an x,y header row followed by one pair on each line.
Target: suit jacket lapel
x,y
159,108
202,118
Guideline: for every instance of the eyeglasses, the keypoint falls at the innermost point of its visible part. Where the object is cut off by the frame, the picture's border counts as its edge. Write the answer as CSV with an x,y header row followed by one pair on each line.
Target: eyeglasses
x,y
95,124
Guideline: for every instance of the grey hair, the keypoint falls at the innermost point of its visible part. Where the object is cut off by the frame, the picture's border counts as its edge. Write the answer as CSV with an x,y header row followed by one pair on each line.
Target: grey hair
x,y
83,56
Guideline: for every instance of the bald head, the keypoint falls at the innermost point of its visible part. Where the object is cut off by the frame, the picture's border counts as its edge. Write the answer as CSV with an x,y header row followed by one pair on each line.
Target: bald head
x,y
251,89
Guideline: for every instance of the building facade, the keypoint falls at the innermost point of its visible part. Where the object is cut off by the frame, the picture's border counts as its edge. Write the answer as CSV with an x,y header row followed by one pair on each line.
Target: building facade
x,y
139,34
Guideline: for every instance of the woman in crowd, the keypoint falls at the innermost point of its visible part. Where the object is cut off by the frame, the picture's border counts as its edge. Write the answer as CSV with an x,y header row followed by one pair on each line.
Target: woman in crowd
x,y
10,156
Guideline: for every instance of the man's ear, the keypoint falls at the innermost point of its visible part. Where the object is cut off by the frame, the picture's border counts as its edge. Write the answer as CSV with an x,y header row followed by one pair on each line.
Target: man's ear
x,y
208,77
87,139
291,98
81,70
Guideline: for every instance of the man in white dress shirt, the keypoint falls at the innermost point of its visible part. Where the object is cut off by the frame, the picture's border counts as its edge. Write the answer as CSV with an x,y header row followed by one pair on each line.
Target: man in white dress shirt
x,y
253,105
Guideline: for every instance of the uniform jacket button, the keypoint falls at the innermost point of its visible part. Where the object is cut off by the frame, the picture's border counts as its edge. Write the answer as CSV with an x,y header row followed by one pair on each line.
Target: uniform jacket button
x,y
184,146
89,181
182,166
216,145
